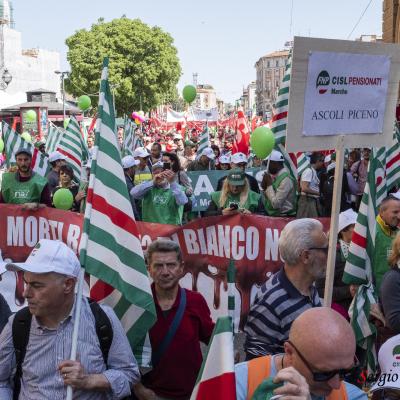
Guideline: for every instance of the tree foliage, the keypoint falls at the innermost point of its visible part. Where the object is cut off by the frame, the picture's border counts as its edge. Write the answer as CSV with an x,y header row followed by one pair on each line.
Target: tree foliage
x,y
144,67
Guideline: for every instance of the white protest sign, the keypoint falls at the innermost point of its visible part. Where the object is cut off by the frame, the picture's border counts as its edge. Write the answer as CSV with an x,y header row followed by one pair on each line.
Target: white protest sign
x,y
344,93
341,87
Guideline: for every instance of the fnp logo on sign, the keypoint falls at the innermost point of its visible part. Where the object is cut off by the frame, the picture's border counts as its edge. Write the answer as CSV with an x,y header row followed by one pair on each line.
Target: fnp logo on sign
x,y
323,81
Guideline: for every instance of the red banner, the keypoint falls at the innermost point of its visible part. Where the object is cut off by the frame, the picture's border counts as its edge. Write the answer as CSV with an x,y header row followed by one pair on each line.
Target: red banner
x,y
207,245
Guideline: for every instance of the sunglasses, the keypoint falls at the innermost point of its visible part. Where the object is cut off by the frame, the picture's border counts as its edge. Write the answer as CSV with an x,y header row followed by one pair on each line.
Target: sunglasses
x,y
326,375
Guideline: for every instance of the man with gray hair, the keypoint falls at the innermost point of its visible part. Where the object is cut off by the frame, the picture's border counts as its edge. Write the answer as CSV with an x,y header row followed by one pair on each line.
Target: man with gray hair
x,y
303,247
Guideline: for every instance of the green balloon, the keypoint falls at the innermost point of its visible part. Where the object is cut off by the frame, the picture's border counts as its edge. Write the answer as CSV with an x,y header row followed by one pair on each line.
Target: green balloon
x,y
1,145
26,136
262,141
84,102
63,199
66,122
189,93
30,116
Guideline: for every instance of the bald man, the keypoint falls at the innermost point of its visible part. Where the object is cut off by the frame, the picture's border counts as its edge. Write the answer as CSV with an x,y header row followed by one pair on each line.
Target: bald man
x,y
321,348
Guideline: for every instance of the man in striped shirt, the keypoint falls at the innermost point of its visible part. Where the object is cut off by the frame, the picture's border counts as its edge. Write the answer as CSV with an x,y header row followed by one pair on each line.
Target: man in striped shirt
x,y
303,246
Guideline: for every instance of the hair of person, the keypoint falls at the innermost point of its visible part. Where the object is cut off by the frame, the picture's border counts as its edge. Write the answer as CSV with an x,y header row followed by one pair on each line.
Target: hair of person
x,y
157,145
176,166
225,193
297,236
68,170
340,236
316,156
163,246
215,147
394,257
355,155
385,202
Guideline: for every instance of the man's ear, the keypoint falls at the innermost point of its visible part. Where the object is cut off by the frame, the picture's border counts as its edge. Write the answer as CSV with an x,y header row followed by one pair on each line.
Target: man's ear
x,y
69,285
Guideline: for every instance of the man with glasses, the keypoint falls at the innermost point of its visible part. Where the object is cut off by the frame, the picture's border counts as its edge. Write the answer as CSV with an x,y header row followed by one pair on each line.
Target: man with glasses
x,y
321,348
303,246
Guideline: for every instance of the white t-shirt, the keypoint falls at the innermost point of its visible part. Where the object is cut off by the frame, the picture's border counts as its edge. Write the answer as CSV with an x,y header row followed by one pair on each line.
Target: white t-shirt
x,y
310,175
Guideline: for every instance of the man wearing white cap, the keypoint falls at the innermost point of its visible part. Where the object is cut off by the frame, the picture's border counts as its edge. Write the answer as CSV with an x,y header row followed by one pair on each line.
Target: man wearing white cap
x,y
24,186
50,275
162,198
280,188
239,160
204,162
5,311
225,162
129,164
56,160
143,172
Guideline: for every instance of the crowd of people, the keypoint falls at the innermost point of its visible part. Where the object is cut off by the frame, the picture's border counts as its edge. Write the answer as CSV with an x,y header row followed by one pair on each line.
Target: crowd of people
x,y
289,337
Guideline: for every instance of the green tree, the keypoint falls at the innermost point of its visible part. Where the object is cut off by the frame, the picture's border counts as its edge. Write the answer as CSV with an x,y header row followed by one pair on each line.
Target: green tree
x,y
144,67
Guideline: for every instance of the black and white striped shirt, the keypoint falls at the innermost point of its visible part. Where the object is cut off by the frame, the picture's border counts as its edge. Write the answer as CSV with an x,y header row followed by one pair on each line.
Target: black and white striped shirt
x,y
277,304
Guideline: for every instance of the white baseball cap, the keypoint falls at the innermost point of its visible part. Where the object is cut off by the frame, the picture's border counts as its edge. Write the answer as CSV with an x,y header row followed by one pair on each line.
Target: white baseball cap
x,y
276,156
208,152
389,361
129,161
225,159
49,256
238,158
141,152
346,218
55,156
327,158
178,136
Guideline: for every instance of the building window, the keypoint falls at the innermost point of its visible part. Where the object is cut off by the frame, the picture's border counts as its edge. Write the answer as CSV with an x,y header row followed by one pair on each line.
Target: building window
x,y
277,63
268,64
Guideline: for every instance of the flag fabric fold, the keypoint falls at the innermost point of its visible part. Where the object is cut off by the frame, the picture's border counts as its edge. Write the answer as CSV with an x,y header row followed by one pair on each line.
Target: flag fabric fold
x,y
111,250
54,134
242,138
216,378
204,140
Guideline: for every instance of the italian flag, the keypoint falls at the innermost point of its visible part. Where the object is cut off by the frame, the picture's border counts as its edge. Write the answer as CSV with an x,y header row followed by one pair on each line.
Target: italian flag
x,y
216,378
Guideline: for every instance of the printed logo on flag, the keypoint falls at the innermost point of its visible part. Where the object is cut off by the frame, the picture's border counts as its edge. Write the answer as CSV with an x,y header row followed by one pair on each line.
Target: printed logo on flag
x,y
323,80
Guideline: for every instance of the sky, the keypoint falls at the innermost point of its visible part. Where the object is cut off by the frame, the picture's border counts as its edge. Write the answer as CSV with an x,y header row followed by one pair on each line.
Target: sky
x,y
220,40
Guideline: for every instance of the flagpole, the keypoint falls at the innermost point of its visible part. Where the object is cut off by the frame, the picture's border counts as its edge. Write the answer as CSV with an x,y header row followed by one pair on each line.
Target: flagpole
x,y
333,231
77,319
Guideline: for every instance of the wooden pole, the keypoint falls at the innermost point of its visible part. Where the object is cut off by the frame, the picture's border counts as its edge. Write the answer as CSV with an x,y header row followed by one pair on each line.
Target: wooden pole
x,y
333,231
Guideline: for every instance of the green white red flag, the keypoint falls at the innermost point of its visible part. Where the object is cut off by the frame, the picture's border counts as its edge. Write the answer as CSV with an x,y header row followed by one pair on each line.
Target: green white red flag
x,y
216,378
111,250
358,268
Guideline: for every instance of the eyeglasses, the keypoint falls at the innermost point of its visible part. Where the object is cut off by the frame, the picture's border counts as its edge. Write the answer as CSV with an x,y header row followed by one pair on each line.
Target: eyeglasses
x,y
324,249
324,376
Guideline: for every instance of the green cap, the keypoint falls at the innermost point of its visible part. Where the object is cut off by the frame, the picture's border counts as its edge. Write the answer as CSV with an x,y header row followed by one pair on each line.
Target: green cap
x,y
236,177
189,143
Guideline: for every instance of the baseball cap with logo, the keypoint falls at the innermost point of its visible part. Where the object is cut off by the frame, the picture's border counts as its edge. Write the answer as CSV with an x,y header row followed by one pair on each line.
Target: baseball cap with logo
x,y
225,160
346,218
276,156
208,152
389,361
55,156
238,158
129,161
141,152
49,256
23,151
236,177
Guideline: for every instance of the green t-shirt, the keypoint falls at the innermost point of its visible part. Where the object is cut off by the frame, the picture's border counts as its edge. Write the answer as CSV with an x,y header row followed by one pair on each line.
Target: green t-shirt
x,y
251,202
159,205
16,192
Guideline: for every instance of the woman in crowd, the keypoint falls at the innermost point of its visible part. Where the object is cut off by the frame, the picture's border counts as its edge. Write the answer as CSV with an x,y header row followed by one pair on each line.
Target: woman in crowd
x,y
180,176
66,175
235,197
341,296
224,163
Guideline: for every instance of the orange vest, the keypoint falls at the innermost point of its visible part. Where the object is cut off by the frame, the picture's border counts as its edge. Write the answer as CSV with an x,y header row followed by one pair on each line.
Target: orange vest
x,y
260,368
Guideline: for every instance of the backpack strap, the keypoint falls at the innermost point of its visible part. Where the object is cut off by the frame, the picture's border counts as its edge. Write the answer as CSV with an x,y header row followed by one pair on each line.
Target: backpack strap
x,y
21,328
103,329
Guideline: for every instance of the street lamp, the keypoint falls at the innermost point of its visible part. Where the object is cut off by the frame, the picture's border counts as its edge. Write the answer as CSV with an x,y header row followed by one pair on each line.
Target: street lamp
x,y
6,78
62,74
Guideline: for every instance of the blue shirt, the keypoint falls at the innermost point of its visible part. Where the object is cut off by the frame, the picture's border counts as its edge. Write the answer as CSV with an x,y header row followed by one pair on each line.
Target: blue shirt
x,y
241,374
48,347
277,304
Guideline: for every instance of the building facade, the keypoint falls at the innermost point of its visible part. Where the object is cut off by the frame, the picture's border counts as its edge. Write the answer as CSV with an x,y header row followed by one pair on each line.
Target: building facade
x,y
270,70
28,69
391,21
206,97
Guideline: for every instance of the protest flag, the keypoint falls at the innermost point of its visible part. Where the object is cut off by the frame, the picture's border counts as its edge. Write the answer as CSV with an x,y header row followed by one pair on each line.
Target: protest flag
x,y
242,138
73,147
393,160
216,379
54,135
358,269
204,140
111,250
302,163
14,142
127,145
231,278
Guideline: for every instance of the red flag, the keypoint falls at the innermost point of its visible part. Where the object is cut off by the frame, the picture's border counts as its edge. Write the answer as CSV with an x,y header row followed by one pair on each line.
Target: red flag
x,y
242,140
